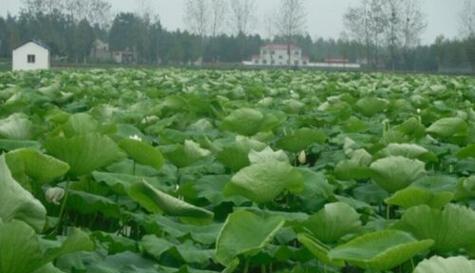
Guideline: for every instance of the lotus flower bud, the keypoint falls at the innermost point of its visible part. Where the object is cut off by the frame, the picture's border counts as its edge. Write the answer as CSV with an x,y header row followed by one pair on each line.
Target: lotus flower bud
x,y
135,137
302,157
54,195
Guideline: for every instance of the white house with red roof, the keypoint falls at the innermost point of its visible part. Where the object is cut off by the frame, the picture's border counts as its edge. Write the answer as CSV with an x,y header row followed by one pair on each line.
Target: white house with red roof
x,y
278,55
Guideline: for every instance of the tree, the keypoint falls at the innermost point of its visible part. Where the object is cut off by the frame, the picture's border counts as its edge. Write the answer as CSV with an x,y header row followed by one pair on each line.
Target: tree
x,y
218,15
197,17
83,40
242,15
291,21
467,19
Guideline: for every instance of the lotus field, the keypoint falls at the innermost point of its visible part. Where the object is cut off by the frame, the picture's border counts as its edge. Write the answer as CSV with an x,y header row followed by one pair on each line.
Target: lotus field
x,y
195,171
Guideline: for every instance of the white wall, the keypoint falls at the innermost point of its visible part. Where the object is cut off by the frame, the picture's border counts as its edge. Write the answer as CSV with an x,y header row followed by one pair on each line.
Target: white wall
x,y
280,57
20,57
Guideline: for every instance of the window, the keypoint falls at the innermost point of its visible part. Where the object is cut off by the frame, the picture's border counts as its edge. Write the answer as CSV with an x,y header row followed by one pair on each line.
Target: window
x,y
31,58
296,63
281,57
272,52
296,52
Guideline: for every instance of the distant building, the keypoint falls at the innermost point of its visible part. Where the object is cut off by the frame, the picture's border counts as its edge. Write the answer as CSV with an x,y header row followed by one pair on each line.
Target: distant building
x,y
278,55
33,55
100,51
124,56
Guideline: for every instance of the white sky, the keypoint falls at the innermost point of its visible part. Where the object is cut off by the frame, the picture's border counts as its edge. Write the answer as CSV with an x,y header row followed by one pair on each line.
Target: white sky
x,y
324,16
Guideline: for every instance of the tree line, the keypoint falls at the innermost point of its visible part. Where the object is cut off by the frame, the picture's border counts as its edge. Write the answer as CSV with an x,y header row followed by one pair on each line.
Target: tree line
x,y
378,33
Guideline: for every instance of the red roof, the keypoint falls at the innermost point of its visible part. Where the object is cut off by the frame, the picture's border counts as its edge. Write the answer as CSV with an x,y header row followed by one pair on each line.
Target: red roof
x,y
279,47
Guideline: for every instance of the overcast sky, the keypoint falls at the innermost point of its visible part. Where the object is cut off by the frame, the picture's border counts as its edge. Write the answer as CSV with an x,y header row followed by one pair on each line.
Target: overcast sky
x,y
324,16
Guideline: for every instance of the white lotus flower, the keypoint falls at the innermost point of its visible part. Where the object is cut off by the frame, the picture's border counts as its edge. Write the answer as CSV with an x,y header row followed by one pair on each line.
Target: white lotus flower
x,y
135,137
54,195
302,157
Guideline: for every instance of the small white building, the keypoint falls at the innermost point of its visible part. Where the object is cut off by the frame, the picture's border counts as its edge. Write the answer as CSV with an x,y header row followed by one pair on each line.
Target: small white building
x,y
278,55
31,56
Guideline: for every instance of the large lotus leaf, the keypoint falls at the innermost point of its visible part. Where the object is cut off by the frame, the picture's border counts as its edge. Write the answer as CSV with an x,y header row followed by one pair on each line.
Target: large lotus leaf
x,y
300,139
265,181
267,154
332,222
381,250
414,196
211,187
143,152
203,234
22,252
318,249
316,189
396,172
80,124
437,264
186,252
448,127
84,153
236,154
370,106
451,228
355,168
16,126
413,151
244,121
13,144
157,201
31,164
467,152
466,188
245,233
119,182
186,154
17,203
88,203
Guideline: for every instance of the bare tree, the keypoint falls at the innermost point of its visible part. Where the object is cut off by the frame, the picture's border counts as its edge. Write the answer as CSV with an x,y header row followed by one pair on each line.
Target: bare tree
x,y
242,15
218,15
197,17
94,11
467,19
291,21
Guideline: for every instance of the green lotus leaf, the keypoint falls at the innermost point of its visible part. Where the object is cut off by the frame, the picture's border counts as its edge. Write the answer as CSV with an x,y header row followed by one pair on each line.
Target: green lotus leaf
x,y
143,152
21,251
16,126
333,222
245,233
467,152
236,154
300,139
318,249
244,121
263,182
370,106
156,201
29,164
414,196
458,264
17,203
412,151
448,127
396,172
267,154
451,229
381,250
186,154
13,144
84,153
80,124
